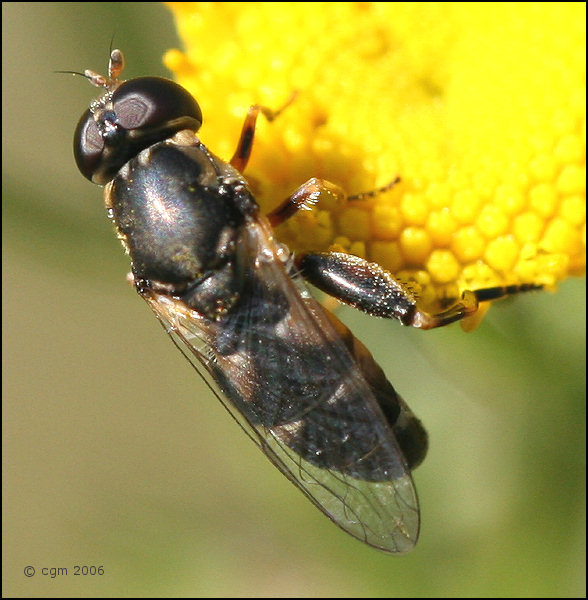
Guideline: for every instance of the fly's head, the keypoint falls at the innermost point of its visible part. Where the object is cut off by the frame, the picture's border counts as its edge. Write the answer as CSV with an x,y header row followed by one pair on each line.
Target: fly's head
x,y
130,116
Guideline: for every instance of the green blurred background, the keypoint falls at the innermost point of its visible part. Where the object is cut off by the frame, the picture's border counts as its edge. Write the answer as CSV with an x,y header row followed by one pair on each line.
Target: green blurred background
x,y
115,453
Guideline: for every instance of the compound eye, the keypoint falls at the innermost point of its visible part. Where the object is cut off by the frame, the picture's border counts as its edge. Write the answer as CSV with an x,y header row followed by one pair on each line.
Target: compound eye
x,y
88,145
153,103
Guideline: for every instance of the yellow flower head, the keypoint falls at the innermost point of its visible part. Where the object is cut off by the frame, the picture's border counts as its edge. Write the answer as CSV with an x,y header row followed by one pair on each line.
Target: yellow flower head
x,y
479,108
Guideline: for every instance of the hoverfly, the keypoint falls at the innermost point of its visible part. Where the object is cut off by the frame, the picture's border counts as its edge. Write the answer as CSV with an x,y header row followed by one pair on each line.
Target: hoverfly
x,y
234,301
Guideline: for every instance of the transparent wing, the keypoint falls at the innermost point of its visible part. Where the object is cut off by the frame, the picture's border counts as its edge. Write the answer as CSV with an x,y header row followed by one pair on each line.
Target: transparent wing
x,y
282,369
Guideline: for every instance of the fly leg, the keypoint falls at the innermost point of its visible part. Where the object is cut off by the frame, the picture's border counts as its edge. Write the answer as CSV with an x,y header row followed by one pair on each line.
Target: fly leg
x,y
245,144
468,304
372,289
310,193
305,198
